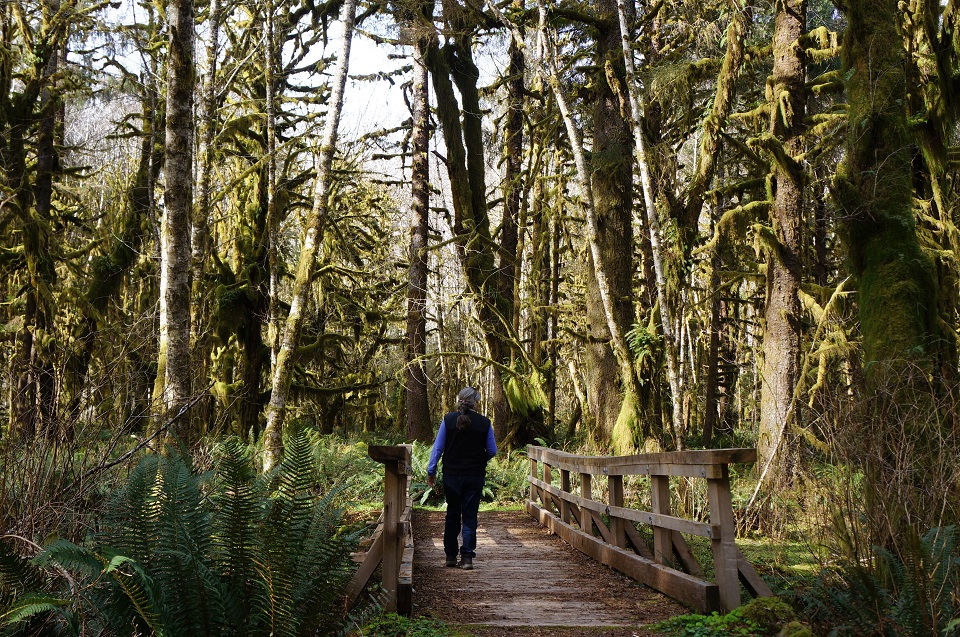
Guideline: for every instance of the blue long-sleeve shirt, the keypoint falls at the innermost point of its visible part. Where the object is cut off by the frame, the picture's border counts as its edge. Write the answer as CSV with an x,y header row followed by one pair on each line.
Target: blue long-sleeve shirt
x,y
440,444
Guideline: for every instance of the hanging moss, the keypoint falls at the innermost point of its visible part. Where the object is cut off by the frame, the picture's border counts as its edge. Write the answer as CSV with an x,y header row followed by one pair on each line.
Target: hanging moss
x,y
897,294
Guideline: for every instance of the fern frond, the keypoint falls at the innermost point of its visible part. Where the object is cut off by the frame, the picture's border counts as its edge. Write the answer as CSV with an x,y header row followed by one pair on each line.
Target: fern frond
x,y
31,607
73,558
17,576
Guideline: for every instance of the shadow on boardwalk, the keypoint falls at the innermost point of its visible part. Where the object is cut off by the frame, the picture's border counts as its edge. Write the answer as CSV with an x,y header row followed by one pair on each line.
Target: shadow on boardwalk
x,y
526,577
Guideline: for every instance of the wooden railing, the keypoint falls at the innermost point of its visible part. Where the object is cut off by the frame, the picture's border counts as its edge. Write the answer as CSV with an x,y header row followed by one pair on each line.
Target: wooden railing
x,y
606,531
393,539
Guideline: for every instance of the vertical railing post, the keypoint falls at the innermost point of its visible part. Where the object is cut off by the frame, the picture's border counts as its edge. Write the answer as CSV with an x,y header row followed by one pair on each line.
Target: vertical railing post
x,y
547,479
616,523
395,460
662,538
391,536
404,588
586,492
724,547
533,474
565,487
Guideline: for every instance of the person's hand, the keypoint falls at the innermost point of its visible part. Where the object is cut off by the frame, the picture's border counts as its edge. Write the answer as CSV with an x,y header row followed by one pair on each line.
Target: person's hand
x,y
432,481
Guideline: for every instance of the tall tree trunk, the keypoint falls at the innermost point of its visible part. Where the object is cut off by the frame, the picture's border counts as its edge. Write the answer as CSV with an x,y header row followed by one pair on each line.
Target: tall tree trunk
x,y
204,412
32,403
173,386
272,222
611,176
653,226
628,419
897,292
466,167
418,407
283,370
47,166
782,333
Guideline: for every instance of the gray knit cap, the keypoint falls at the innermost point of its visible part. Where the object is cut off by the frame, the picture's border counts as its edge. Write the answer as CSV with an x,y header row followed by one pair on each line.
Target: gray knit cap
x,y
468,397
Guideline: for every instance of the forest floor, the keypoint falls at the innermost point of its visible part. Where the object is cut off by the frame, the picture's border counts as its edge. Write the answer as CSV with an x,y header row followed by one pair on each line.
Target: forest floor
x,y
527,582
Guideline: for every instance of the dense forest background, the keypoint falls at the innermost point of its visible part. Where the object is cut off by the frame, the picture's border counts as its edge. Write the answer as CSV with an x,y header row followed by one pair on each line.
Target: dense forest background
x,y
635,226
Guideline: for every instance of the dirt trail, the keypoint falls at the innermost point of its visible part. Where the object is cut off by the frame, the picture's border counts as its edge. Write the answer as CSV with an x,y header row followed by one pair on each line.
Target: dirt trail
x,y
527,581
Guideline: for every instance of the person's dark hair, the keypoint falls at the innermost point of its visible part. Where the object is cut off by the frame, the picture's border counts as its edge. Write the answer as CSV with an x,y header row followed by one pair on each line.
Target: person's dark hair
x,y
466,401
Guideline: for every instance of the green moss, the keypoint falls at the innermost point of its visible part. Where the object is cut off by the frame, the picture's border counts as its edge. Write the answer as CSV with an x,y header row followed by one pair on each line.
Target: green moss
x,y
767,613
795,629
625,436
762,616
897,290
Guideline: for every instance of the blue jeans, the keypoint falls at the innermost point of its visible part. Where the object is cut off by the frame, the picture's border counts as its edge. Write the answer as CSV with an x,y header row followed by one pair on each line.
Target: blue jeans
x,y
463,502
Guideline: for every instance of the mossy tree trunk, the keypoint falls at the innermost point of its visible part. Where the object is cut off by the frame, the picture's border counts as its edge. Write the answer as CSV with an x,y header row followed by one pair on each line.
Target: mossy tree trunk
x,y
548,68
466,168
784,259
897,293
173,385
204,412
417,404
611,173
931,30
29,109
313,235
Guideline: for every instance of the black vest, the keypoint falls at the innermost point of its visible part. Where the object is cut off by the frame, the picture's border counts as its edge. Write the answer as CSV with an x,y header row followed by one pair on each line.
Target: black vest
x,y
466,451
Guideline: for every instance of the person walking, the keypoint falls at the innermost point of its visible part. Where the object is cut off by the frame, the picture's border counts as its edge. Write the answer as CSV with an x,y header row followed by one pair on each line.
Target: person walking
x,y
466,443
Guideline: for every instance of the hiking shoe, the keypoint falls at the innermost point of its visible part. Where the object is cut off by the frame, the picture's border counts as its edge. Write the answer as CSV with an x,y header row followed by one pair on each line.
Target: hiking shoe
x,y
451,562
466,563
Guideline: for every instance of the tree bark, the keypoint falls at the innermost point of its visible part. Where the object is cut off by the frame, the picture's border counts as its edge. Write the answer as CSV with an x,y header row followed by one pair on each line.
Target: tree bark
x,y
466,169
653,225
628,416
897,292
283,370
418,408
782,333
173,386
611,176
204,412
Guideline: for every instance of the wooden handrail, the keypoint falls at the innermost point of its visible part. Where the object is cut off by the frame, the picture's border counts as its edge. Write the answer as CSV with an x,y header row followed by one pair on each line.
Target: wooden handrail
x,y
393,540
670,567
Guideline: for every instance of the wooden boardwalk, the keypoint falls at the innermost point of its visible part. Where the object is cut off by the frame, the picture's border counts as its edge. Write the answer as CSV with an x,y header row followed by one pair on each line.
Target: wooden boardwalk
x,y
526,576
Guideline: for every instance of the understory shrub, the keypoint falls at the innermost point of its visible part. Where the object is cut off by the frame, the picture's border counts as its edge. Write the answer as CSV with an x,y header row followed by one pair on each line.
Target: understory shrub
x,y
918,595
761,617
228,552
393,625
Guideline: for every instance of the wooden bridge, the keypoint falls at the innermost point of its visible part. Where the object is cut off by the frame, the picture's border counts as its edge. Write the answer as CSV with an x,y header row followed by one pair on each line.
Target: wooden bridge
x,y
525,576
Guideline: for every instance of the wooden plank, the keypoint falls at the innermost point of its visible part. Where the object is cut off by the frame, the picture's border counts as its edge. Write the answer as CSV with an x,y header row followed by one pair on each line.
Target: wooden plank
x,y
698,594
638,544
724,545
586,492
685,556
405,578
369,565
564,503
392,534
574,512
689,527
662,536
389,453
533,474
615,490
596,464
750,579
